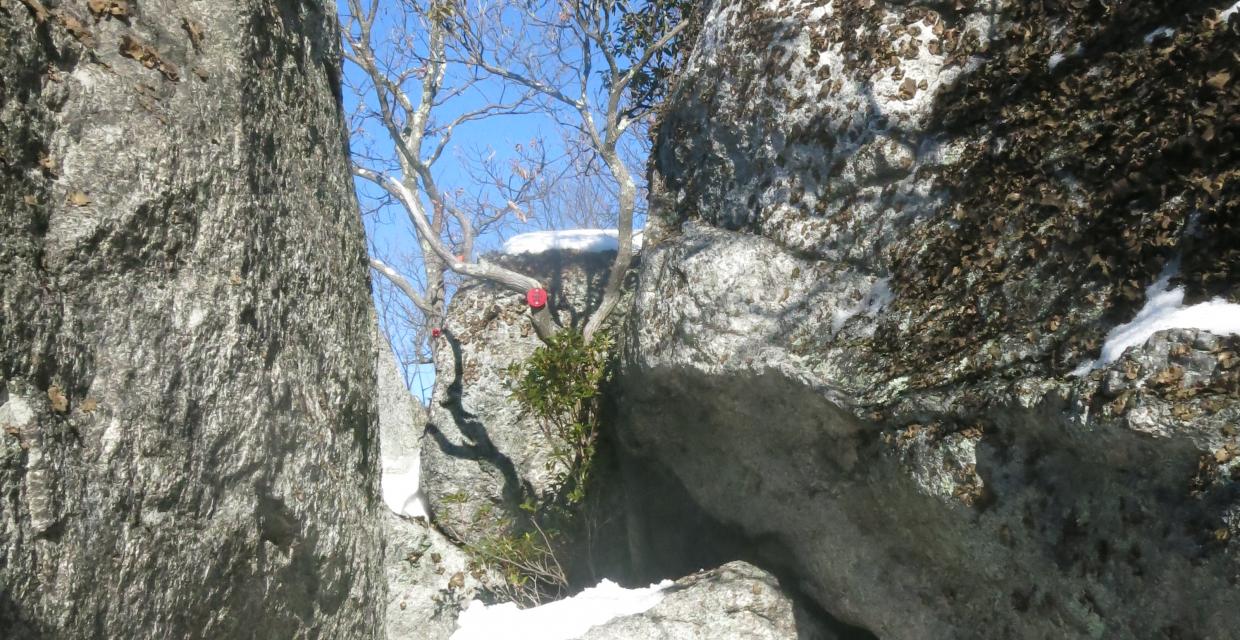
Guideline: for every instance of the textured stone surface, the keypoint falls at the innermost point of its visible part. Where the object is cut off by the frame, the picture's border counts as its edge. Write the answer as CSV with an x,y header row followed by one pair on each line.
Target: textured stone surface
x,y
429,581
186,356
402,421
885,236
481,456
737,601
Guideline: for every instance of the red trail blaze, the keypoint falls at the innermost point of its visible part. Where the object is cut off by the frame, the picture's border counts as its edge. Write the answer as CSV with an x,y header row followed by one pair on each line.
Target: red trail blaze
x,y
536,298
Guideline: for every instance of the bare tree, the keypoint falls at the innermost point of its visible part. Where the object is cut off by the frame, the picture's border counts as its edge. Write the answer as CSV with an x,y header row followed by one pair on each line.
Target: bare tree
x,y
408,84
418,57
553,48
570,189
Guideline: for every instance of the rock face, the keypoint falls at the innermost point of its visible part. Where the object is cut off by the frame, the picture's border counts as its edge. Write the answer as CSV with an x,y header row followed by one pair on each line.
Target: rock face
x,y
402,421
891,242
737,601
481,457
429,579
186,360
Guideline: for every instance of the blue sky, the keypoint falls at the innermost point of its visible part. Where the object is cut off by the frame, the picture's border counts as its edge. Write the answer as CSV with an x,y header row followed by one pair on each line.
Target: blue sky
x,y
388,230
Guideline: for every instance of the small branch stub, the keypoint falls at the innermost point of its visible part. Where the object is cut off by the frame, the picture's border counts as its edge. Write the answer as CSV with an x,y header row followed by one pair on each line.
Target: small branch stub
x,y
536,298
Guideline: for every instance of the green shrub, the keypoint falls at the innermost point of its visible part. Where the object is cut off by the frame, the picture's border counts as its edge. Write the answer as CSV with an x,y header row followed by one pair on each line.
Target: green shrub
x,y
559,385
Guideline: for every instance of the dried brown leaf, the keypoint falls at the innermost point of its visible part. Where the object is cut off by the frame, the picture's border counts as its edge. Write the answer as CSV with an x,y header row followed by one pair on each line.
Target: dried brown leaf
x,y
56,396
1219,79
194,30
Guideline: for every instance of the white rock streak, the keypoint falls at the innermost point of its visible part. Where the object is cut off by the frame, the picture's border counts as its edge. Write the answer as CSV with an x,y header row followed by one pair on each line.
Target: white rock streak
x,y
560,620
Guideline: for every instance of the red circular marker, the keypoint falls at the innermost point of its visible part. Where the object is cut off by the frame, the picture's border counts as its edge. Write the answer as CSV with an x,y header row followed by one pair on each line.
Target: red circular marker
x,y
435,333
536,298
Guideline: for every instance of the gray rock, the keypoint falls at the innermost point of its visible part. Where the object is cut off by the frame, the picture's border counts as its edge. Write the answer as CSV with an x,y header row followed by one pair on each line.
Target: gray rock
x,y
402,421
737,601
885,239
429,581
481,456
187,418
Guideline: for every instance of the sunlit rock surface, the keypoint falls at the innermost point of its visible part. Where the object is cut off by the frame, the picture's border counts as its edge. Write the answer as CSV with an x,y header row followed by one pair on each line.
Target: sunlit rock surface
x,y
737,601
481,455
883,237
187,409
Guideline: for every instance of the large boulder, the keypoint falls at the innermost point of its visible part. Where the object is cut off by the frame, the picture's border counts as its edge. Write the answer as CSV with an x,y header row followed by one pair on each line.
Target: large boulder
x,y
890,242
482,456
187,420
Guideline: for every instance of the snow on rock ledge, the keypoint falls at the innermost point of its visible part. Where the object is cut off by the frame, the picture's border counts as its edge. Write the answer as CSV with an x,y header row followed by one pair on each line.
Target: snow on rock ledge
x,y
1164,309
568,240
401,421
737,600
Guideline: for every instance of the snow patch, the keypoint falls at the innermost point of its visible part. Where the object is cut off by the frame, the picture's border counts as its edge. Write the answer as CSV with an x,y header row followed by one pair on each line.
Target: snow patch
x,y
874,301
568,240
560,620
1229,12
1164,309
402,492
1161,32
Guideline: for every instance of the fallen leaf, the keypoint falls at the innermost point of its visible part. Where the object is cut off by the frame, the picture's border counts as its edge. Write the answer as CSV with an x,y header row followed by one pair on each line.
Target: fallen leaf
x,y
56,396
146,54
1218,79
908,89
194,30
37,8
47,162
89,405
76,29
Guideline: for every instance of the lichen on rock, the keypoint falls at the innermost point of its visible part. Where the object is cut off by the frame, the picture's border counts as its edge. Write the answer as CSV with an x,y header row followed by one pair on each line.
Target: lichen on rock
x,y
887,235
